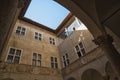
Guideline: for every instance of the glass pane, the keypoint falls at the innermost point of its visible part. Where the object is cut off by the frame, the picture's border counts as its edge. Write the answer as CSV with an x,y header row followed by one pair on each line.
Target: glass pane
x,y
36,34
77,48
39,38
17,32
64,58
53,43
9,59
52,65
36,37
56,65
16,59
34,62
19,28
39,35
68,62
79,54
83,51
39,57
66,55
81,45
65,63
18,52
35,56
50,42
39,63
23,29
55,59
53,40
12,51
22,33
50,38
52,59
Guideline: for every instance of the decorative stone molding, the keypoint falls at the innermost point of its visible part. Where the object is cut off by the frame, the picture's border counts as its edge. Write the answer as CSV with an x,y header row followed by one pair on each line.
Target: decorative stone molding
x,y
3,67
103,39
19,68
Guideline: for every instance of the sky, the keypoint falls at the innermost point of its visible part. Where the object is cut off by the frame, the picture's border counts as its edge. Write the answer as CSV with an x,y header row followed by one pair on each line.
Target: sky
x,y
46,12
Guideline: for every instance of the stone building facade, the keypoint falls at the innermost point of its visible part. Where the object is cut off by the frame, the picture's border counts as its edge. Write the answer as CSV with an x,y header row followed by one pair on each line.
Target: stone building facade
x,y
81,59
31,54
34,53
102,62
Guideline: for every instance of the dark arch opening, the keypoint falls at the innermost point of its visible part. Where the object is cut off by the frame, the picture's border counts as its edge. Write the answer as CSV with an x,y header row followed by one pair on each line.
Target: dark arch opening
x,y
91,74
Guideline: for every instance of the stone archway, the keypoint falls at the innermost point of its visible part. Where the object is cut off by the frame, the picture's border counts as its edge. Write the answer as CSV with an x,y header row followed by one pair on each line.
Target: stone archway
x,y
71,78
91,74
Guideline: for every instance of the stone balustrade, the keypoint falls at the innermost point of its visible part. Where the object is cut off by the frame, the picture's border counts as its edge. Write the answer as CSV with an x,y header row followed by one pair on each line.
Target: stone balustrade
x,y
21,68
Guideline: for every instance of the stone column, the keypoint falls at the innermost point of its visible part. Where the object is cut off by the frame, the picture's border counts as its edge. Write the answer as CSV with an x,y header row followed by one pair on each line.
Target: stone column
x,y
105,42
7,11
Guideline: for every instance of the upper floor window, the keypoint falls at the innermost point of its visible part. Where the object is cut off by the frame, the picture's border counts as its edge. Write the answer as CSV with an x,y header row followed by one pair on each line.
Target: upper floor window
x,y
52,40
66,60
36,61
38,36
80,49
14,56
54,63
20,30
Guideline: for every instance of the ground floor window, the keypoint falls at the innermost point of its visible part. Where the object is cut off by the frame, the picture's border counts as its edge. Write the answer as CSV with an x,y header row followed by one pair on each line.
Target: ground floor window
x,y
14,56
54,63
36,61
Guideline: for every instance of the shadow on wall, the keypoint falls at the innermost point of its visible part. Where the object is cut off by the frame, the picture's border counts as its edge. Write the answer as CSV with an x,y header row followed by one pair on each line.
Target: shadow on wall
x,y
110,74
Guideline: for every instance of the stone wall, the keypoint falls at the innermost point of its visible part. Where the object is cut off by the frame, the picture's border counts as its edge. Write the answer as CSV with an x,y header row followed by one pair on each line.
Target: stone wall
x,y
68,45
29,45
27,72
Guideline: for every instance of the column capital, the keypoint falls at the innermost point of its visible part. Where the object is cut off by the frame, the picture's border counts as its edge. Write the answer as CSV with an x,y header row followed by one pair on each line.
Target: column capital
x,y
103,39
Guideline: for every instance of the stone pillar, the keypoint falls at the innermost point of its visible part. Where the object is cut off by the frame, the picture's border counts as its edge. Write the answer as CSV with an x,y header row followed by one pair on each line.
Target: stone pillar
x,y
105,42
7,11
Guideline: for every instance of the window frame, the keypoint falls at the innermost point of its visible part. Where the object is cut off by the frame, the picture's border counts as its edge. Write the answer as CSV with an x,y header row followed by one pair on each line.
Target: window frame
x,y
14,55
54,62
21,30
39,38
36,60
80,49
52,41
66,60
